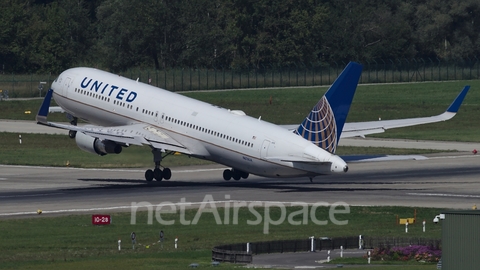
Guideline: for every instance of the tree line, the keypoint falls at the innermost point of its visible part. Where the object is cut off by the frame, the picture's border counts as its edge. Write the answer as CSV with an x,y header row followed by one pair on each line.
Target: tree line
x,y
117,35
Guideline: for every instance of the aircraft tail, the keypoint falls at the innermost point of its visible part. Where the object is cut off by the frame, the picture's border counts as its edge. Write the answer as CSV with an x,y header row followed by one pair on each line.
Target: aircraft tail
x,y
324,125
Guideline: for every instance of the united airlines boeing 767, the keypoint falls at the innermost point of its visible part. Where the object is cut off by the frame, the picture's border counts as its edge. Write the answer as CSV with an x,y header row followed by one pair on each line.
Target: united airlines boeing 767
x,y
126,112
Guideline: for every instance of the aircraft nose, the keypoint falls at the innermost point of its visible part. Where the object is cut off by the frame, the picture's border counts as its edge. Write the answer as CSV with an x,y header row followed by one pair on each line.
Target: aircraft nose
x,y
55,86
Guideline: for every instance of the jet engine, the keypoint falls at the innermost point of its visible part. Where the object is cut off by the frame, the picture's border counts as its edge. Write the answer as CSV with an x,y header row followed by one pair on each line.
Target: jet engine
x,y
96,146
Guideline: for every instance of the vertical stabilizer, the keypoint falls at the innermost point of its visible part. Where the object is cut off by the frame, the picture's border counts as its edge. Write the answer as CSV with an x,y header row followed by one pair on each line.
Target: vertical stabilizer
x,y
324,125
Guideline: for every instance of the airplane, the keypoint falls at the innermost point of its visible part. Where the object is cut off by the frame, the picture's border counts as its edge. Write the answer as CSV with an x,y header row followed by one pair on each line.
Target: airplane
x,y
124,112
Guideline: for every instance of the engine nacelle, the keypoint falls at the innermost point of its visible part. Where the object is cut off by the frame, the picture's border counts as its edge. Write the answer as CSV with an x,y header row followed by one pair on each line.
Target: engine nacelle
x,y
95,146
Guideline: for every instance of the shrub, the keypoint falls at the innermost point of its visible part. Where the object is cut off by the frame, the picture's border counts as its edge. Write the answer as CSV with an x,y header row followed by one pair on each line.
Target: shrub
x,y
412,252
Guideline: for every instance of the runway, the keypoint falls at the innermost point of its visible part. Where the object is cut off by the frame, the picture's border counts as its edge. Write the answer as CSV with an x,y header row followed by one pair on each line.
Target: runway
x,y
442,181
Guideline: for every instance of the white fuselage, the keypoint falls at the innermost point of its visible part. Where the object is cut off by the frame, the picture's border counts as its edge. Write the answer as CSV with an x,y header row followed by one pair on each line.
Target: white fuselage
x,y
210,132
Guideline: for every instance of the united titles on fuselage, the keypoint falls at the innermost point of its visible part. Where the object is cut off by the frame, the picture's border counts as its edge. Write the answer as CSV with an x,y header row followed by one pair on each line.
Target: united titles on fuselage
x,y
108,89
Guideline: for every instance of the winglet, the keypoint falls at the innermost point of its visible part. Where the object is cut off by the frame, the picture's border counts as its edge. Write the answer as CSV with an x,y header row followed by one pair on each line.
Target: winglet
x,y
453,108
43,111
324,125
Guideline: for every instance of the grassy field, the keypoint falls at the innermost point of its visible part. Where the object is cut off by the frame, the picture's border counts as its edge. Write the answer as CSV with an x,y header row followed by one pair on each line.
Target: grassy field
x,y
371,102
72,242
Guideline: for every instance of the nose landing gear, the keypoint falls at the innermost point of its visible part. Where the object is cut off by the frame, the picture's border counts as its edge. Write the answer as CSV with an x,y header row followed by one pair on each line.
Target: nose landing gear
x,y
73,121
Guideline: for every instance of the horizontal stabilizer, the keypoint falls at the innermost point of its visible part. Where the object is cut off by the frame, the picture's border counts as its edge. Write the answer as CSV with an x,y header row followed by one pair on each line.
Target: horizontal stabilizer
x,y
376,158
296,159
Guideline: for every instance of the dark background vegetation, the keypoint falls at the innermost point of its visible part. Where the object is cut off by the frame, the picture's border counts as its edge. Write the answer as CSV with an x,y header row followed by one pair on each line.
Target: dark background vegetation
x,y
50,36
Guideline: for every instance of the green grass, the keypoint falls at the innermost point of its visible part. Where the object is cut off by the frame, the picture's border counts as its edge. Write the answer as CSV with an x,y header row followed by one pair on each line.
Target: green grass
x,y
15,109
291,105
72,242
371,102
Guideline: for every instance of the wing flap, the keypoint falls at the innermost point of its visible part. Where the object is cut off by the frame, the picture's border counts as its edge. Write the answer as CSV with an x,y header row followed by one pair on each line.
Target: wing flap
x,y
56,109
138,134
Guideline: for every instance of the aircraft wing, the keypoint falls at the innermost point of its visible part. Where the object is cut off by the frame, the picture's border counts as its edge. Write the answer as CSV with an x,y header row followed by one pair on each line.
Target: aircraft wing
x,y
360,129
136,134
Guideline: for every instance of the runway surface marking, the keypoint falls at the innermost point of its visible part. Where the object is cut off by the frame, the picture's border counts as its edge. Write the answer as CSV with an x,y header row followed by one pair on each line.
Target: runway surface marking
x,y
3,179
112,170
453,157
139,205
31,195
444,195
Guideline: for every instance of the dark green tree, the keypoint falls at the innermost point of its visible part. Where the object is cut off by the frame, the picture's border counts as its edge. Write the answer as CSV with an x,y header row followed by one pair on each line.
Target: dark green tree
x,y
448,29
139,34
61,35
14,36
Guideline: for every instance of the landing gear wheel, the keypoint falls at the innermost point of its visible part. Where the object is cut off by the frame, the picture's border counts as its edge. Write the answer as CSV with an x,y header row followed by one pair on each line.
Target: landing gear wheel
x,y
227,175
236,175
72,134
149,175
244,175
167,173
157,174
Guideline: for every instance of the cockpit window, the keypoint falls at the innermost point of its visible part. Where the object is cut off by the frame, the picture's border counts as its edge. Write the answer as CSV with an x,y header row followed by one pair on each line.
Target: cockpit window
x,y
56,79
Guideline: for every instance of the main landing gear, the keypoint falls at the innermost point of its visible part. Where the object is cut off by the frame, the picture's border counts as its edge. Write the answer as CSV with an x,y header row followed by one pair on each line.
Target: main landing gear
x,y
157,173
235,174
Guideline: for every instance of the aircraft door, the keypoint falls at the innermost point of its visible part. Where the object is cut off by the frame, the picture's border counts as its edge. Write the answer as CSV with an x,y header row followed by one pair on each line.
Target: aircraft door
x,y
264,150
66,85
